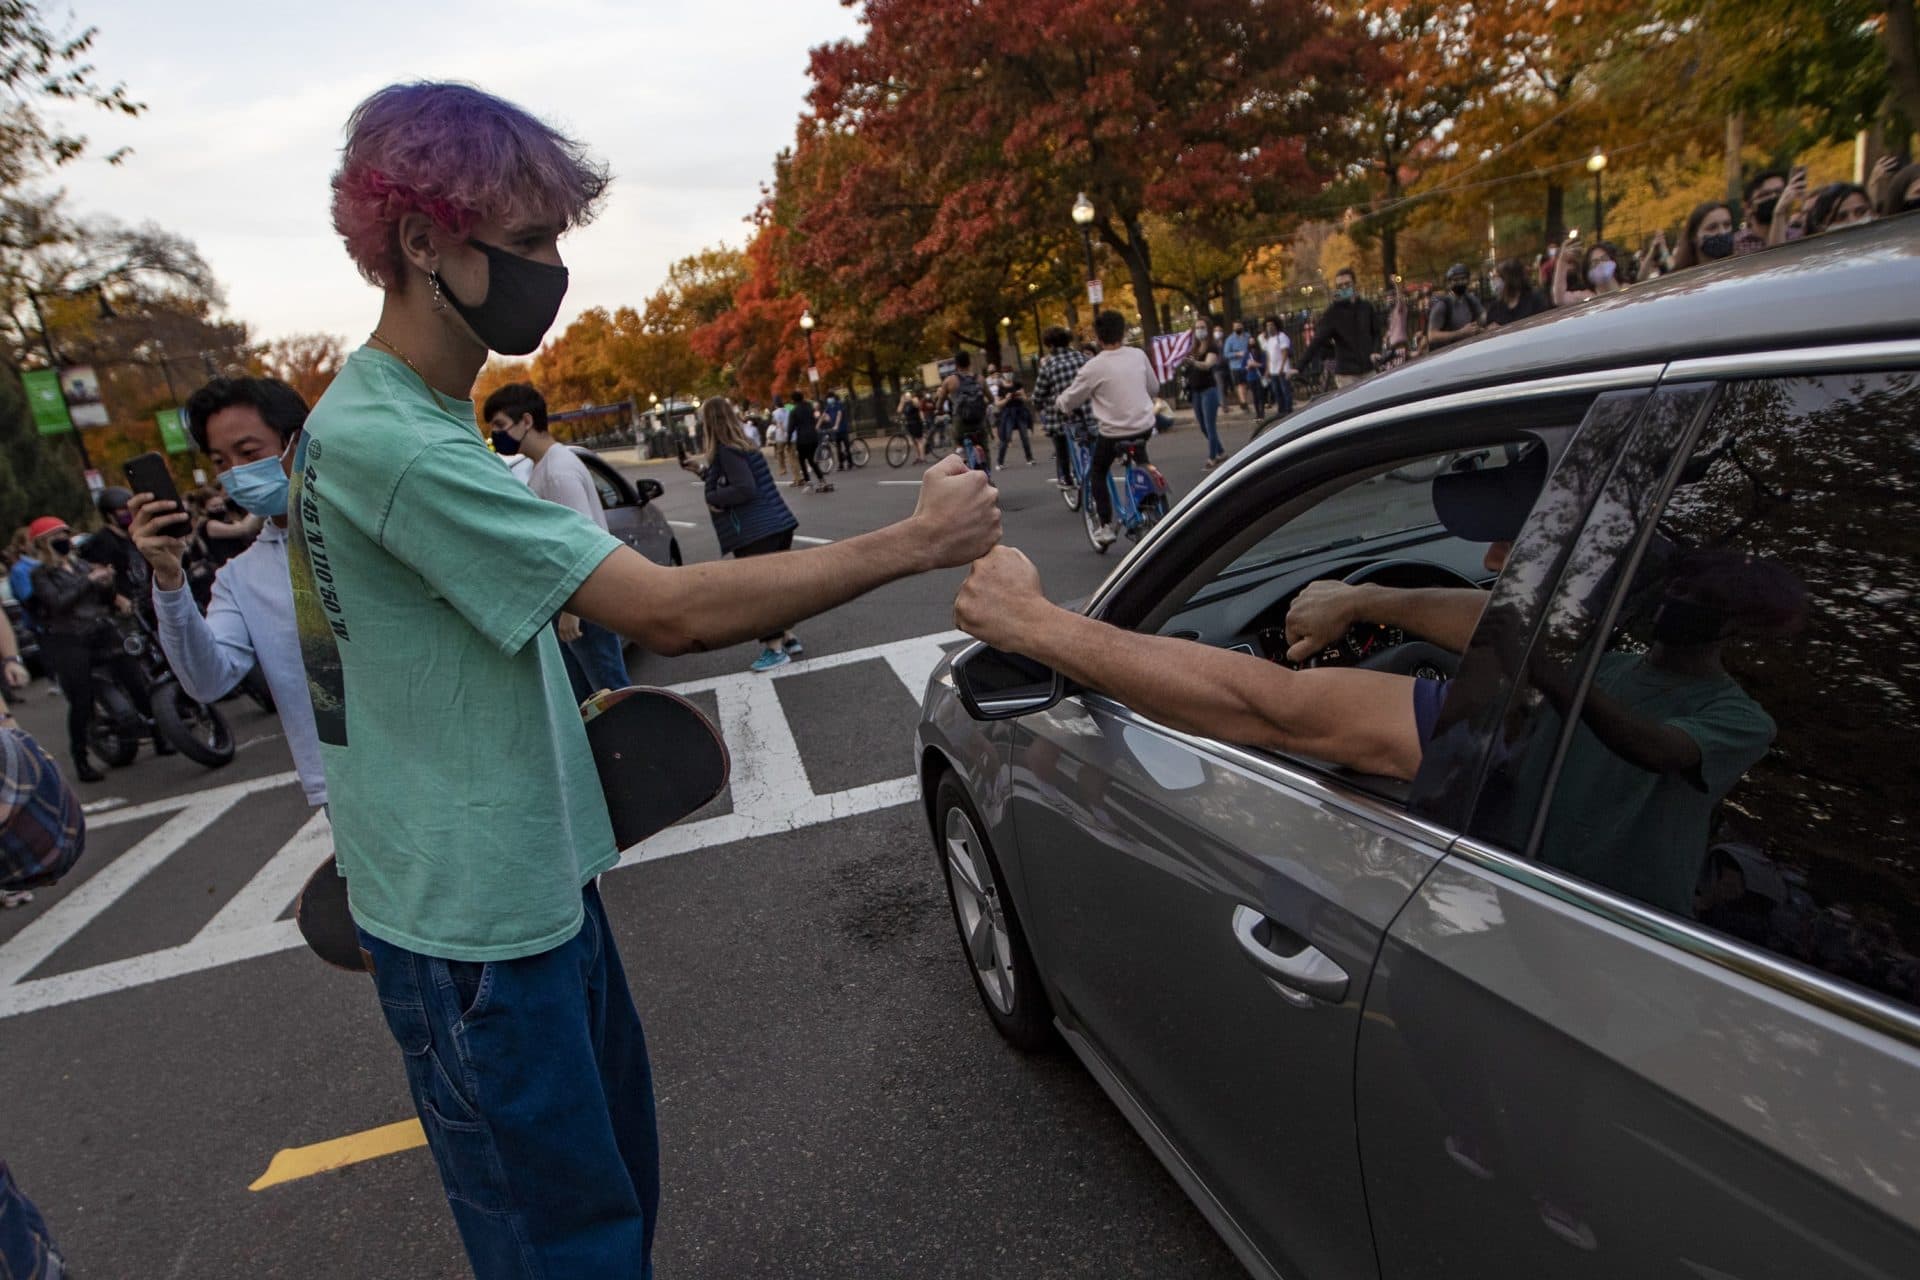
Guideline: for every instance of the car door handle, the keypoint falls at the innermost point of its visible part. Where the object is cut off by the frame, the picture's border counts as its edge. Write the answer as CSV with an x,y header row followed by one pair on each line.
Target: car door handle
x,y
1303,975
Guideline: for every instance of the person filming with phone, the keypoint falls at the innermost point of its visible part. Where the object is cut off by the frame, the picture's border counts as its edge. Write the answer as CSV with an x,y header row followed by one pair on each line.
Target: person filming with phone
x,y
247,426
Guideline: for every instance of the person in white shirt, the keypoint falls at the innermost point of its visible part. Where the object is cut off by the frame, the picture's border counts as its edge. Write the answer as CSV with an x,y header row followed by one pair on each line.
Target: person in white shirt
x,y
1120,385
1279,349
516,414
248,427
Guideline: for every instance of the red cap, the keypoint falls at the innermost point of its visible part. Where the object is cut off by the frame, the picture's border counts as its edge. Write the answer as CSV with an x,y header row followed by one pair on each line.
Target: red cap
x,y
45,525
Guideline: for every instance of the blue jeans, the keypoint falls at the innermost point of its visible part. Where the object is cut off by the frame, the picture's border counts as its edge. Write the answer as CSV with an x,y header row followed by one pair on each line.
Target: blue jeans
x,y
532,1082
602,658
1206,408
1282,387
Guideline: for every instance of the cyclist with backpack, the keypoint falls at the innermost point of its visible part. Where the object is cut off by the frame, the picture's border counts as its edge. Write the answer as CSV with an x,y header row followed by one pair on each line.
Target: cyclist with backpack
x,y
1120,385
968,395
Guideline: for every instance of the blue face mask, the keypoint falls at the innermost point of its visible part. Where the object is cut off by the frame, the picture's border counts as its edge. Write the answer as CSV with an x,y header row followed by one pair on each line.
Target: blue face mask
x,y
260,487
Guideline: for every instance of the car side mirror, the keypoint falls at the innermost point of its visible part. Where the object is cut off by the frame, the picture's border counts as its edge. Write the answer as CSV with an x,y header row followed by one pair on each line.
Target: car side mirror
x,y
1000,686
648,488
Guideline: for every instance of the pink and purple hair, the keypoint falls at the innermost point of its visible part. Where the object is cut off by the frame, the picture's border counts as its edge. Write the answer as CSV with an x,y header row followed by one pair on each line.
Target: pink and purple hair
x,y
460,156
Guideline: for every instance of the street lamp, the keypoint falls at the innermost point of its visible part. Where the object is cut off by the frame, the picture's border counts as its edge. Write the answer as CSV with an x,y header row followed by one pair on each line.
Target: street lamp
x,y
1597,165
806,327
1083,218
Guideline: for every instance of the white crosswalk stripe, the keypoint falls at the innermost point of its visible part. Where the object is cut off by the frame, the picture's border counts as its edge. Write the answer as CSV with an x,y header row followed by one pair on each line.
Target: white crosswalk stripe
x,y
770,794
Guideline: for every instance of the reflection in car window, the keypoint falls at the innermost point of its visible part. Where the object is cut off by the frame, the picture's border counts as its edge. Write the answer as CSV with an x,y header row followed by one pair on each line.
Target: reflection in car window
x,y
1746,754
1391,502
608,490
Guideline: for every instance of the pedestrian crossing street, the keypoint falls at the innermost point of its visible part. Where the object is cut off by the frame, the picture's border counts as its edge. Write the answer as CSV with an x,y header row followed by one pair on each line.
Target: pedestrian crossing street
x,y
770,794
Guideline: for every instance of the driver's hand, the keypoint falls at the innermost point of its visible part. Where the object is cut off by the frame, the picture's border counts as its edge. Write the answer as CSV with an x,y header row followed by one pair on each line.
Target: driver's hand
x,y
1318,617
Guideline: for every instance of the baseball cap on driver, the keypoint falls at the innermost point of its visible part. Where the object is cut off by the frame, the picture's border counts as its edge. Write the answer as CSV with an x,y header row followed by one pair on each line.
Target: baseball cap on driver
x,y
1490,504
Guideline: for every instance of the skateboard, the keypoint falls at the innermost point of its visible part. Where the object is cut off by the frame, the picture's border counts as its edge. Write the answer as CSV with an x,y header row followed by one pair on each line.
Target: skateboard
x,y
659,760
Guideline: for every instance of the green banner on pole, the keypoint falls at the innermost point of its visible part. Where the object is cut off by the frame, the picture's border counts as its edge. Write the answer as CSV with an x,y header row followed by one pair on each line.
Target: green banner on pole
x,y
173,430
47,403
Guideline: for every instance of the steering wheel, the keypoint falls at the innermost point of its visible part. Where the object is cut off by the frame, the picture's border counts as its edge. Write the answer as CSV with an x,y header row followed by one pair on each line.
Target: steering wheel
x,y
1375,647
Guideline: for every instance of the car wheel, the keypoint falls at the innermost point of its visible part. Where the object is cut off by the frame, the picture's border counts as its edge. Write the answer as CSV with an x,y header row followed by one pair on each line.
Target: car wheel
x,y
991,939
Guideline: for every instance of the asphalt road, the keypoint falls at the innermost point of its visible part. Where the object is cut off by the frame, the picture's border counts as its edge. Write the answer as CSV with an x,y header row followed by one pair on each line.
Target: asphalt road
x,y
833,1103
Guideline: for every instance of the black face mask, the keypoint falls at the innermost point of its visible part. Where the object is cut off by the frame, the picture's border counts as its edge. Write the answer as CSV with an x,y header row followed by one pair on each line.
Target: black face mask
x,y
1460,290
523,297
1763,210
1715,246
60,546
1688,622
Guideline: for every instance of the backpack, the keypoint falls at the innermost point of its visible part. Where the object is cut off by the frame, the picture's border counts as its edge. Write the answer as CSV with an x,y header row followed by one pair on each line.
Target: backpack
x,y
42,831
969,401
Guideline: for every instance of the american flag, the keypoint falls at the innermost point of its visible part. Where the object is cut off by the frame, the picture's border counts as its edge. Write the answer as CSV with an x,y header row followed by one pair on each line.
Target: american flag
x,y
1168,351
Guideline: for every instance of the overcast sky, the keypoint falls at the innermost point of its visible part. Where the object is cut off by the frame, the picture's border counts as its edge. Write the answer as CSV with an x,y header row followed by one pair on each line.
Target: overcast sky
x,y
688,102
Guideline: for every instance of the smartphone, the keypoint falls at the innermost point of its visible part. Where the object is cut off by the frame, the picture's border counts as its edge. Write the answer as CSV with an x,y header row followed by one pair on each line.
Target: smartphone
x,y
148,474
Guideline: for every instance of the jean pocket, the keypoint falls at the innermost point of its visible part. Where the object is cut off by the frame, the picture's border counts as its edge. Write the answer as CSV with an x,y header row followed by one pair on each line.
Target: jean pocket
x,y
470,1167
471,983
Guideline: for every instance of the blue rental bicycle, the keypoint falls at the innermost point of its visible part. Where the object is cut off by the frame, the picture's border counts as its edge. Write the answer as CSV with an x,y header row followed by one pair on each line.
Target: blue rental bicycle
x,y
1140,498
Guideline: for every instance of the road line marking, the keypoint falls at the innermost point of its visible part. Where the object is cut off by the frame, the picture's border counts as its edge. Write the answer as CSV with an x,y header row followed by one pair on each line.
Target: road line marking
x,y
291,1163
67,917
772,797
812,542
914,482
103,804
277,883
683,524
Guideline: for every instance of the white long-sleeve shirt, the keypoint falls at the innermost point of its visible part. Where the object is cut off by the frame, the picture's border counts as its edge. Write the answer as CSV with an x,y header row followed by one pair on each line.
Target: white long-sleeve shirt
x,y
1119,383
250,618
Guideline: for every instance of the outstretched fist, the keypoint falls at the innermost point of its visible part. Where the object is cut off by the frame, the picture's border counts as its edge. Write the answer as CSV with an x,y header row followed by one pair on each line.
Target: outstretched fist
x,y
958,514
1001,600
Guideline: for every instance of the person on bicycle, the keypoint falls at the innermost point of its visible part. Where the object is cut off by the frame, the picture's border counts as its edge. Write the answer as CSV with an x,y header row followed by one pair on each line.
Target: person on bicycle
x,y
1120,385
968,396
913,419
74,604
1058,369
836,423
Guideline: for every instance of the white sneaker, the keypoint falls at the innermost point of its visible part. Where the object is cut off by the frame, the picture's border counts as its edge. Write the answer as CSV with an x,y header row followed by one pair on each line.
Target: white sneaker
x,y
1105,536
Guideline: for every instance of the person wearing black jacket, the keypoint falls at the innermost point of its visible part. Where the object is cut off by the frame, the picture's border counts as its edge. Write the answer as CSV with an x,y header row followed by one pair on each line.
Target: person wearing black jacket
x,y
750,518
803,427
75,601
1349,332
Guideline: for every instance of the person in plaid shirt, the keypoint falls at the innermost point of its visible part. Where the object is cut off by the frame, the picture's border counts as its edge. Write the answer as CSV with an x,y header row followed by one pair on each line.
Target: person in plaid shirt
x,y
1057,370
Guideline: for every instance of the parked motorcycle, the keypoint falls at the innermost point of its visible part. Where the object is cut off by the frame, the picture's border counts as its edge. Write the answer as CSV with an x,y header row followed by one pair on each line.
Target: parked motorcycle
x,y
197,731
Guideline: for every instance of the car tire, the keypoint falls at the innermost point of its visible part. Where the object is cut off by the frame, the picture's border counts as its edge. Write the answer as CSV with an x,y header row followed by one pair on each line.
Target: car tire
x,y
992,941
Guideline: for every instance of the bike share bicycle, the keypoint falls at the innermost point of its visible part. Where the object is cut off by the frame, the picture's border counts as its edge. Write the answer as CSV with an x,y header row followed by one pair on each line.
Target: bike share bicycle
x,y
1140,499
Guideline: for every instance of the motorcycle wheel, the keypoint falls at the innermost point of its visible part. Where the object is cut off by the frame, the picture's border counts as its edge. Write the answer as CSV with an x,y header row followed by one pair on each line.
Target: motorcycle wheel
x,y
197,731
114,735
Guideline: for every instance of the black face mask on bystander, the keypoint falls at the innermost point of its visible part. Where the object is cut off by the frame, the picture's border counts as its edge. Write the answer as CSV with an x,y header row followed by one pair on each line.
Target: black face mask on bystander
x,y
523,297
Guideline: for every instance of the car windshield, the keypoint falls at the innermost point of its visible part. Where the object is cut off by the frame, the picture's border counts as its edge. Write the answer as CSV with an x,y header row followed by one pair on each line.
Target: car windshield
x,y
1394,501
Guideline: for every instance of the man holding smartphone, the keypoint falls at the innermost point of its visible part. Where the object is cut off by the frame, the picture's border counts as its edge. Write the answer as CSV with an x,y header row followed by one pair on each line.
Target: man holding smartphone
x,y
247,427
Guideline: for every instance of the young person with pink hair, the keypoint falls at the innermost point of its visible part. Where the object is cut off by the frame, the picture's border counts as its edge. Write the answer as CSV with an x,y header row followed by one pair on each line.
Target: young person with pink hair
x,y
467,814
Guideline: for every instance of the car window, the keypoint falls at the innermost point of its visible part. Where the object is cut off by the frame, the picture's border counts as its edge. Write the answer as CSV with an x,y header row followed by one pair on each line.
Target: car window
x,y
1745,730
603,484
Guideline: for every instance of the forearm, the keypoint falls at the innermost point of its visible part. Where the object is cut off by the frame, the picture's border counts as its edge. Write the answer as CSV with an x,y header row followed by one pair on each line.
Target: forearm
x,y
210,655
1446,616
695,608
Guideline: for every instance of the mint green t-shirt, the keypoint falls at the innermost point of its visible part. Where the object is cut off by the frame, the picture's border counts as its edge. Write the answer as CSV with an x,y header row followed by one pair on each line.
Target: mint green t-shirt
x,y
466,810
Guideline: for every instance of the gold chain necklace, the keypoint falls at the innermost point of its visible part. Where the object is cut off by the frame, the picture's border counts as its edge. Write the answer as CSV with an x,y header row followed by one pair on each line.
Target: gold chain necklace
x,y
432,390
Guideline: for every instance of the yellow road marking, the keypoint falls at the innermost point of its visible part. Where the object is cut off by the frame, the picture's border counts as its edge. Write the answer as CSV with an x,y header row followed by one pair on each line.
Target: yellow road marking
x,y
303,1162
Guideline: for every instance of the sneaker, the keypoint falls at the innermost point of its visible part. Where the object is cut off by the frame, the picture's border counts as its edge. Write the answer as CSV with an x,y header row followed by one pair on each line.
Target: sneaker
x,y
1106,535
793,647
769,659
825,488
15,897
83,769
